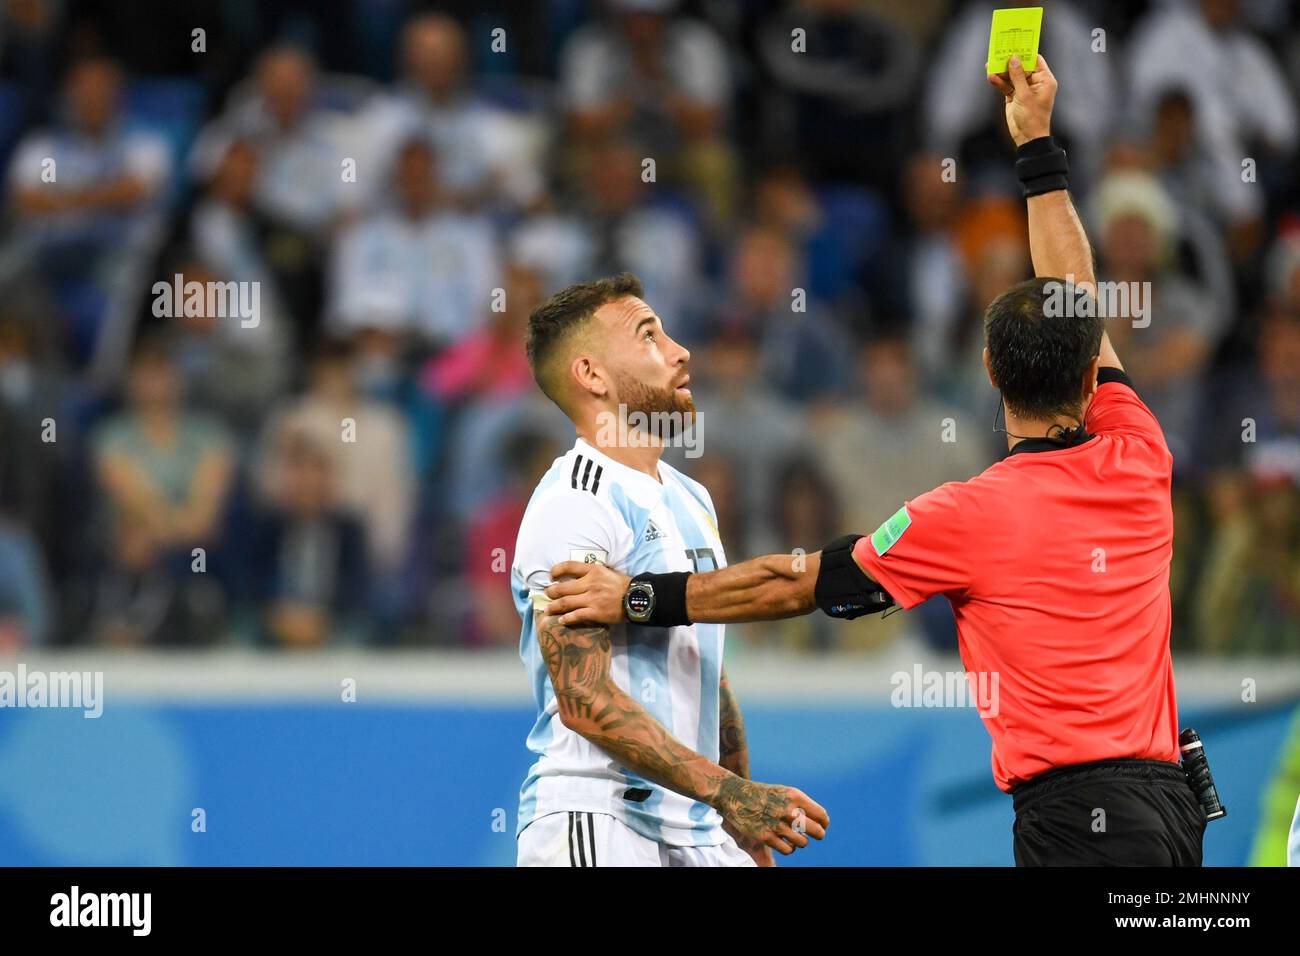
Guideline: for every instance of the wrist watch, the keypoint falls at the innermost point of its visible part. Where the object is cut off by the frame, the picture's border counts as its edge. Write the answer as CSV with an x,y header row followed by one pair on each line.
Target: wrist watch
x,y
639,601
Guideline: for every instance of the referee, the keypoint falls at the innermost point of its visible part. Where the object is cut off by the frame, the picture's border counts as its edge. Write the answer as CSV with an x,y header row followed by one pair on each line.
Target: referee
x,y
1055,559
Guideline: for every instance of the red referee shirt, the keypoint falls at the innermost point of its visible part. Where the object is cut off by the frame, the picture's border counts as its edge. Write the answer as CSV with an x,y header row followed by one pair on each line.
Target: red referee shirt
x,y
1056,562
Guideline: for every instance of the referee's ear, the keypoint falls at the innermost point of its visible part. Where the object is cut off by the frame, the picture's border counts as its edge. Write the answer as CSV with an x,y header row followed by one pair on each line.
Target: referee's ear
x,y
989,368
1090,380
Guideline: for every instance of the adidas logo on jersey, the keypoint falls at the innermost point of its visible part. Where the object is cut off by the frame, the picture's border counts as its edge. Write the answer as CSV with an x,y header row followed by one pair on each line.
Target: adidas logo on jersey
x,y
652,532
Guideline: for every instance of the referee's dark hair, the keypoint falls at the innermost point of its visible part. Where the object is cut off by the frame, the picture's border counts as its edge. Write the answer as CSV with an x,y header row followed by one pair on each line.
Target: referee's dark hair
x,y
553,322
1038,359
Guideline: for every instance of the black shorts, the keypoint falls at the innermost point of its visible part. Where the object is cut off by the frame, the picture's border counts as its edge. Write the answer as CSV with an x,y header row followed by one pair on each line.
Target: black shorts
x,y
1109,813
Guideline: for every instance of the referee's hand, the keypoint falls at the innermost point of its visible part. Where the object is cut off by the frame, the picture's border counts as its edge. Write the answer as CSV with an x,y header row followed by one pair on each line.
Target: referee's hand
x,y
593,594
1029,99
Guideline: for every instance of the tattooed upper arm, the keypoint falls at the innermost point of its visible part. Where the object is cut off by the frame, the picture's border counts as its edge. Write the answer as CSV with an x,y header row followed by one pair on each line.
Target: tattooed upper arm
x,y
578,661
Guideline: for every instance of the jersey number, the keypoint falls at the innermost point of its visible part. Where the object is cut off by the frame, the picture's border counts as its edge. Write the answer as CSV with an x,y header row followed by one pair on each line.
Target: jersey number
x,y
700,554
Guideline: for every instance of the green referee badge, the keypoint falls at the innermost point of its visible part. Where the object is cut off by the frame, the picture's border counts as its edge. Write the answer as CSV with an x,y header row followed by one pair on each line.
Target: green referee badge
x,y
883,538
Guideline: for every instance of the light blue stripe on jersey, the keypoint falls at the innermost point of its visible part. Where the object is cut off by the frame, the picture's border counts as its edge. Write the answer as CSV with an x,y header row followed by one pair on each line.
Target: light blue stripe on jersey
x,y
647,669
708,636
647,661
644,557
539,738
530,651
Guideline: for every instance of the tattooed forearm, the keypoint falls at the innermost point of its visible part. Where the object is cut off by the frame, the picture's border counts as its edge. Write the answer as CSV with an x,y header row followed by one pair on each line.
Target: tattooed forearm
x,y
733,748
591,704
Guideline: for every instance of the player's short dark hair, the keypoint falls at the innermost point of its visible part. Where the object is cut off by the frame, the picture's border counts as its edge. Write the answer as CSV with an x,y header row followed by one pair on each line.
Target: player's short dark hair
x,y
1038,356
554,320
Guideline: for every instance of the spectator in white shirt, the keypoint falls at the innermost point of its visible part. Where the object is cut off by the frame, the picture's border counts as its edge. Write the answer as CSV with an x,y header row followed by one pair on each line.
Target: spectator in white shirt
x,y
300,144
484,153
89,175
87,193
1239,95
613,228
434,267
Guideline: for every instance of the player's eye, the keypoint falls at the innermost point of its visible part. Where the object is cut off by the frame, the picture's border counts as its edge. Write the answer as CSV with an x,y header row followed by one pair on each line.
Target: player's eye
x,y
650,334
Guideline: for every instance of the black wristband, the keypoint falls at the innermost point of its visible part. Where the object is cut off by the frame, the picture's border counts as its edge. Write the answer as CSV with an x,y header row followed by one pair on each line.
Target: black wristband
x,y
1042,167
670,598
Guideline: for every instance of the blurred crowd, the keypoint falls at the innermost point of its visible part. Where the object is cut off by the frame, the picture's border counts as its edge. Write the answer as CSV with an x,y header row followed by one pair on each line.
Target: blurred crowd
x,y
817,194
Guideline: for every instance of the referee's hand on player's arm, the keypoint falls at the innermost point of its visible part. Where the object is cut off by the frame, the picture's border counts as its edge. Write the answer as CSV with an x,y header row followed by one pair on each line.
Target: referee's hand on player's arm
x,y
589,594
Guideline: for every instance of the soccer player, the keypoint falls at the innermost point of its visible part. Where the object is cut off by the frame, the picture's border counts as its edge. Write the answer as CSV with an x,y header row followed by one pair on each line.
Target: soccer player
x,y
642,759
1055,560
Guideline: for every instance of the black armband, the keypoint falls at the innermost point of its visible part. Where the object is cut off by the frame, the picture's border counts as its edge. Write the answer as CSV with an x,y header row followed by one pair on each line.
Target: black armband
x,y
1041,167
657,600
842,589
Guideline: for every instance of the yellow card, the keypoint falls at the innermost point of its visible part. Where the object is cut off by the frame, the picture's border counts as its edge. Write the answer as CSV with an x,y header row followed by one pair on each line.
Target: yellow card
x,y
1015,33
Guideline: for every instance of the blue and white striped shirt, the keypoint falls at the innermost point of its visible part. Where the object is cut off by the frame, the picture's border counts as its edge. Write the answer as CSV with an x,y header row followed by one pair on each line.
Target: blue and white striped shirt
x,y
589,507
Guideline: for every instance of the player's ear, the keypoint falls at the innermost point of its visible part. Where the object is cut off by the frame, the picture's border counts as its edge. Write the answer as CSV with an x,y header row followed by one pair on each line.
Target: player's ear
x,y
988,367
589,376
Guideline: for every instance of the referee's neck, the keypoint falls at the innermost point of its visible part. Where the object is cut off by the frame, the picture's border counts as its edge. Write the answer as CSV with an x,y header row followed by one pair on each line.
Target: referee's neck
x,y
1019,429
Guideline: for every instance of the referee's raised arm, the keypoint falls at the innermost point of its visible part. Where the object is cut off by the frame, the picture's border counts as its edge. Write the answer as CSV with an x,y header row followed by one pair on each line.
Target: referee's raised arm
x,y
1058,245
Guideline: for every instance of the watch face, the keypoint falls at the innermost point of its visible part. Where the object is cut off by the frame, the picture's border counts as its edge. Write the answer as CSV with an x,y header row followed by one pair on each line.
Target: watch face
x,y
640,602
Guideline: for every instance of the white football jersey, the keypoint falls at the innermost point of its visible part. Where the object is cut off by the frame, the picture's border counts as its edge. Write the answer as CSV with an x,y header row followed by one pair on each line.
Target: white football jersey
x,y
589,507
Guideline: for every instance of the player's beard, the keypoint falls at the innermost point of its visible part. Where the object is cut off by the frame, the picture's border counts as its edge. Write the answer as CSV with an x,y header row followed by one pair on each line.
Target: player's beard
x,y
651,402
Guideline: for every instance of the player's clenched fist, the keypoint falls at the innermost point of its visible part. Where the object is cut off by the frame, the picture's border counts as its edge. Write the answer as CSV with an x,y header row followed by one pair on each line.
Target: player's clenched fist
x,y
1029,99
770,814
